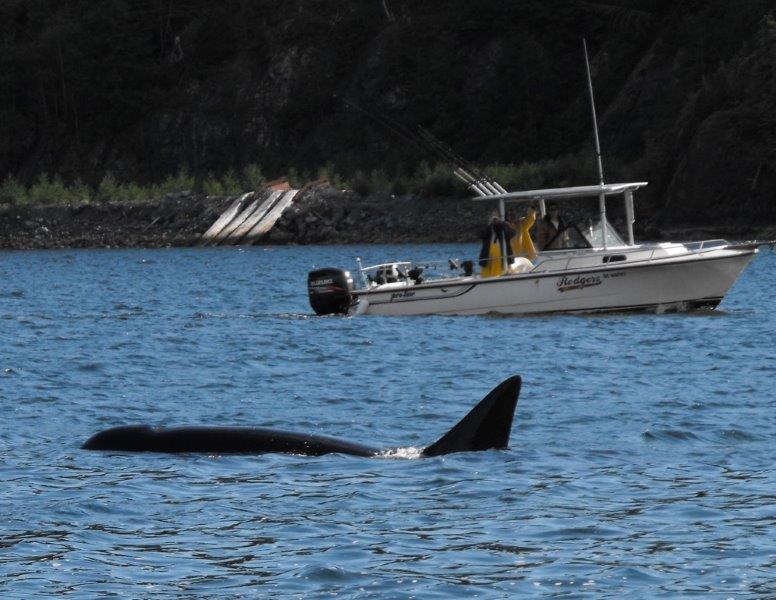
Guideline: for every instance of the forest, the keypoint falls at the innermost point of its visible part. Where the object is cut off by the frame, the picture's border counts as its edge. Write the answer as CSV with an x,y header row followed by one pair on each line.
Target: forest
x,y
139,92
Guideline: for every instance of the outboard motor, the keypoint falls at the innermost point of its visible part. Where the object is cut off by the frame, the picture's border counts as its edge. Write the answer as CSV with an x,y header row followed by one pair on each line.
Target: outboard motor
x,y
330,291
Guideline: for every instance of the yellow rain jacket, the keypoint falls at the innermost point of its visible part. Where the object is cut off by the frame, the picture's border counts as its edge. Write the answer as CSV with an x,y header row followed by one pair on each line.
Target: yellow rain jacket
x,y
522,244
495,237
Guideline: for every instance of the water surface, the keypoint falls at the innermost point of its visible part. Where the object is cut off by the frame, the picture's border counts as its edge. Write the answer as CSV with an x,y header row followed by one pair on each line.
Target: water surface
x,y
641,460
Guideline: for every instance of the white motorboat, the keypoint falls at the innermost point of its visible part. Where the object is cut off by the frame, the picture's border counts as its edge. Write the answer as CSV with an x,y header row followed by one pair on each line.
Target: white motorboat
x,y
584,269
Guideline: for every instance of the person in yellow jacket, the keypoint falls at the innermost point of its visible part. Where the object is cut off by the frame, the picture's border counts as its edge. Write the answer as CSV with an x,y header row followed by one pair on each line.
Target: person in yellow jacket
x,y
522,244
496,251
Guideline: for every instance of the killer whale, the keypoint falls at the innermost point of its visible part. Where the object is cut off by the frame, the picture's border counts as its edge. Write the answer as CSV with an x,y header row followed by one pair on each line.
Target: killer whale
x,y
486,426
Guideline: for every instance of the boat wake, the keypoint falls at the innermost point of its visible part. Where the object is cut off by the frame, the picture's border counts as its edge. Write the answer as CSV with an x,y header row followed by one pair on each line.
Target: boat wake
x,y
254,316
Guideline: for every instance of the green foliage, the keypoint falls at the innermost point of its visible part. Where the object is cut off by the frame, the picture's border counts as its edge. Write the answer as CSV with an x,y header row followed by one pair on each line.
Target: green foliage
x,y
108,189
182,182
79,192
295,178
525,176
565,170
253,178
379,180
12,192
134,192
329,173
212,186
365,184
231,183
438,181
48,191
427,181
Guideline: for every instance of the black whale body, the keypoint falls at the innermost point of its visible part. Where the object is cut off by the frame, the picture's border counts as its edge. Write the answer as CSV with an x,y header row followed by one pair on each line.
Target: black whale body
x,y
486,426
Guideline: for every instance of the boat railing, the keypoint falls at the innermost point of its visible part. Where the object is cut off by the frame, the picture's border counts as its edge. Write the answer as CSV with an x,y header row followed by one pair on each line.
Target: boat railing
x,y
706,244
697,247
548,264
405,263
403,270
544,262
563,263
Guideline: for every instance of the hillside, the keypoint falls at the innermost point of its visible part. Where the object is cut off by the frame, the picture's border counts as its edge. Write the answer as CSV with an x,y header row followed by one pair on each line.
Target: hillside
x,y
686,91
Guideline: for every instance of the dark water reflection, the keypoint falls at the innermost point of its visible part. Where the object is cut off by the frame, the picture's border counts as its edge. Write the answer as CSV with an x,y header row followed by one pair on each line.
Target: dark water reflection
x,y
641,460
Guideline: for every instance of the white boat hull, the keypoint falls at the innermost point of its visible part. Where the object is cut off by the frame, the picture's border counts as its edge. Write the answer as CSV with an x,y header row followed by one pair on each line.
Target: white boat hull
x,y
673,284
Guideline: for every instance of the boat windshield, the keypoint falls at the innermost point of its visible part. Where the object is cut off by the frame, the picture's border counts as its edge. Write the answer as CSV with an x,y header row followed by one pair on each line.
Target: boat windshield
x,y
594,235
577,236
568,238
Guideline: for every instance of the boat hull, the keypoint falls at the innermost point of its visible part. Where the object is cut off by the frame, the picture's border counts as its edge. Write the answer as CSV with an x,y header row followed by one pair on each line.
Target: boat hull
x,y
680,284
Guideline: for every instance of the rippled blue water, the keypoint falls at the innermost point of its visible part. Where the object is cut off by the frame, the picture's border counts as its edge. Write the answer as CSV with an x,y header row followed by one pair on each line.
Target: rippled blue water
x,y
641,461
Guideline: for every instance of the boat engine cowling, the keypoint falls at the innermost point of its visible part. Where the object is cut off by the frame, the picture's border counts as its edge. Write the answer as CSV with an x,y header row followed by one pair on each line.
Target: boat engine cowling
x,y
330,291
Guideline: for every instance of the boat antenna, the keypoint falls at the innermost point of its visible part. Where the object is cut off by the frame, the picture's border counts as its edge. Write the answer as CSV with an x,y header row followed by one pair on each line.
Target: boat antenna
x,y
595,119
601,195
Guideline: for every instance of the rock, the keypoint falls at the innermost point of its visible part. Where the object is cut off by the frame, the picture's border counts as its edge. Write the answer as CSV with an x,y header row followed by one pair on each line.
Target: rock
x,y
328,234
280,237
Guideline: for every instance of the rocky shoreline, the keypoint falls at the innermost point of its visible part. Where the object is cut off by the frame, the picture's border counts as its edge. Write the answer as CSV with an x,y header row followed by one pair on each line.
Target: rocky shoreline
x,y
175,220
321,215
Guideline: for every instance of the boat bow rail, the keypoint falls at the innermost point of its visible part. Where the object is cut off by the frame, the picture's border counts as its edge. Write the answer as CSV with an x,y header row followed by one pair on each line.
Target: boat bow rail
x,y
625,256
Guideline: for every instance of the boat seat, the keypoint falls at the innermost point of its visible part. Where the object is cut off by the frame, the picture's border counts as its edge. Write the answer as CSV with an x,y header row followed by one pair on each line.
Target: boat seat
x,y
389,274
520,264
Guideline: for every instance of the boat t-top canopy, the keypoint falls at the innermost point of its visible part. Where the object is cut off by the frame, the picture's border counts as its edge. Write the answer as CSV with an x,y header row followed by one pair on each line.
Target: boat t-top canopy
x,y
580,191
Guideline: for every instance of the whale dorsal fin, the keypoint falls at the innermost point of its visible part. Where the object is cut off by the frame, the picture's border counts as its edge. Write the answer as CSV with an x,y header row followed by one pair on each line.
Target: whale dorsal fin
x,y
486,426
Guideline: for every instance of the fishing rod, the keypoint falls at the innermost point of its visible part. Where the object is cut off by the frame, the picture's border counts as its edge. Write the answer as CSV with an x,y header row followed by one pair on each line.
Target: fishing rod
x,y
426,142
468,168
399,129
394,126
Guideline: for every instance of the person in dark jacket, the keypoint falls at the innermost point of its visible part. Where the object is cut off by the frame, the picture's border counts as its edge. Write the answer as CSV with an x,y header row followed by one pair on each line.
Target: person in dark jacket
x,y
496,239
549,226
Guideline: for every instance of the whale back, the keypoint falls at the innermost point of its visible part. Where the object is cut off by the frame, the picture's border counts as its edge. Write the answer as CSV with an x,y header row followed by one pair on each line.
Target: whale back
x,y
220,440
